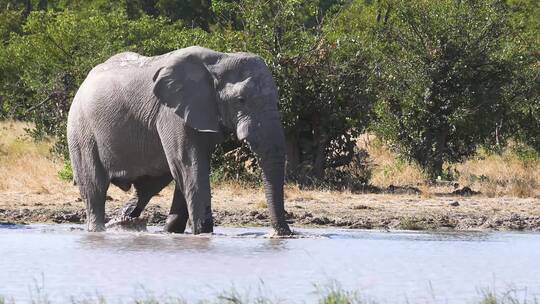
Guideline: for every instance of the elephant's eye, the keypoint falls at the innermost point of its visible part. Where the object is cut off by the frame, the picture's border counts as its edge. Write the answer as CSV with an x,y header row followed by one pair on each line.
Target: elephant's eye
x,y
240,99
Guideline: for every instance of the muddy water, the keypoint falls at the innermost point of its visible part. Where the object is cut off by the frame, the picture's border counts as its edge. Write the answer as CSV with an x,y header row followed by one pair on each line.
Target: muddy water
x,y
63,261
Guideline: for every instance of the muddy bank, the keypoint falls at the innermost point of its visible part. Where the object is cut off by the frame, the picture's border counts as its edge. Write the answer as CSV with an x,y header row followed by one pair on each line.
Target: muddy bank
x,y
236,207
156,215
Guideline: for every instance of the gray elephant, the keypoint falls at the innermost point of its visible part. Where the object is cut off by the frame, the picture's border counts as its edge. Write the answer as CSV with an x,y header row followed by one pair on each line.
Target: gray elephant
x,y
144,121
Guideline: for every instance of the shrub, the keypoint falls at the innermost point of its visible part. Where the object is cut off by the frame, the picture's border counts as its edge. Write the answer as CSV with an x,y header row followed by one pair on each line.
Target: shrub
x,y
442,72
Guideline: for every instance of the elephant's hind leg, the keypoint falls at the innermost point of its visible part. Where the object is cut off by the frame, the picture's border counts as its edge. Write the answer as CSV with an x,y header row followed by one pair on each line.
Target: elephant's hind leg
x,y
93,183
145,188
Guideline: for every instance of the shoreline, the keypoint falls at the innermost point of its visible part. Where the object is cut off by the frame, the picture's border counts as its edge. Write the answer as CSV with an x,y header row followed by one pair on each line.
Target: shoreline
x,y
235,207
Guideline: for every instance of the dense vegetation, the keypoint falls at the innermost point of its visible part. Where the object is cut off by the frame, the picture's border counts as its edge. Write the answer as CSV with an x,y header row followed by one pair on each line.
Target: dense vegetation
x,y
435,80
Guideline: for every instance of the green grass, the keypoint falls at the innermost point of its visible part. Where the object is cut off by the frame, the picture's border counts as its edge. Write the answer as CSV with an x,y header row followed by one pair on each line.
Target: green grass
x,y
328,294
66,174
508,297
334,294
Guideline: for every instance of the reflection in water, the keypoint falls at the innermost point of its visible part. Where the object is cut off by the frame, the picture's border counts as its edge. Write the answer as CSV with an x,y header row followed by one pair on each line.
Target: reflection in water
x,y
389,266
12,226
144,242
436,236
465,236
274,245
164,242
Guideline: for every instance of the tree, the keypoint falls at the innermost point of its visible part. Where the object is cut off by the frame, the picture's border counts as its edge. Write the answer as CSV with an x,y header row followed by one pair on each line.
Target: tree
x,y
323,96
196,13
434,79
524,92
44,65
443,68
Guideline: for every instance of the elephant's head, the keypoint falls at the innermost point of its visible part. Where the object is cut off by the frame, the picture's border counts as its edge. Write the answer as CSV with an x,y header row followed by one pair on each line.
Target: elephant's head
x,y
235,91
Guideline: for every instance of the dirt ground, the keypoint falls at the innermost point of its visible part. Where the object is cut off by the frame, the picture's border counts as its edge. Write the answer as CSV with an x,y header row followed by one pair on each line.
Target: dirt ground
x,y
235,206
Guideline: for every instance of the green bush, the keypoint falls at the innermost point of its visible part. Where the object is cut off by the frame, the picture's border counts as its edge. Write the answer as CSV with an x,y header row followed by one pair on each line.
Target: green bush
x,y
324,95
56,50
434,79
66,173
443,68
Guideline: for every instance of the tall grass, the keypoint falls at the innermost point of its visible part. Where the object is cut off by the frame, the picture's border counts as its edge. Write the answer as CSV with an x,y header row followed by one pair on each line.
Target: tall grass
x,y
507,297
26,165
333,295
388,168
327,293
513,171
508,173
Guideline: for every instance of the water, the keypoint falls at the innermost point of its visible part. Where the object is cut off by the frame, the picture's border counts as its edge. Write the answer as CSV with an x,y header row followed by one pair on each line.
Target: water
x,y
389,267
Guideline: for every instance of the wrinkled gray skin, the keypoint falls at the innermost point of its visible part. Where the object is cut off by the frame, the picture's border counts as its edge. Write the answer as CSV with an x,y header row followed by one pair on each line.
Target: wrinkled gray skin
x,y
144,121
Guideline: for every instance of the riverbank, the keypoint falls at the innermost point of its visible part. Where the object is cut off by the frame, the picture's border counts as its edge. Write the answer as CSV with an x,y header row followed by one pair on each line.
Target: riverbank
x,y
236,206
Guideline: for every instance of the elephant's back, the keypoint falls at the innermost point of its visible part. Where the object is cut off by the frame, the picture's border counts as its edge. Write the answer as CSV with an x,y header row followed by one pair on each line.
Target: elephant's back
x,y
126,56
122,62
115,111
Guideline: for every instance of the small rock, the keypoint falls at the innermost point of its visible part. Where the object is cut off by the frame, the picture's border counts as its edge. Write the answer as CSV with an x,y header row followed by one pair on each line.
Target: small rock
x,y
68,217
465,191
361,207
402,190
305,215
454,204
260,216
323,220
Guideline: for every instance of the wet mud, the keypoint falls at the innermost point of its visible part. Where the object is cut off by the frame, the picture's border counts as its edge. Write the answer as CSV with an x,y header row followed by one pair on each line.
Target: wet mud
x,y
414,215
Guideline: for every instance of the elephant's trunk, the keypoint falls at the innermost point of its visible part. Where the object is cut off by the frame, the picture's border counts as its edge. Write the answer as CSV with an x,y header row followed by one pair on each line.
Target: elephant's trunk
x,y
269,146
273,178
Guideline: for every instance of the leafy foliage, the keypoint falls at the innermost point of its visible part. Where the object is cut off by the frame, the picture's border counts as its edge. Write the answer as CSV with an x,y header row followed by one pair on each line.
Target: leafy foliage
x,y
443,69
323,95
434,79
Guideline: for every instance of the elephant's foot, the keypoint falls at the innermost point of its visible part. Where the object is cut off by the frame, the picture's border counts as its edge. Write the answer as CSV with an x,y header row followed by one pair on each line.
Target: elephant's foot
x,y
282,230
202,226
127,223
175,223
94,223
95,227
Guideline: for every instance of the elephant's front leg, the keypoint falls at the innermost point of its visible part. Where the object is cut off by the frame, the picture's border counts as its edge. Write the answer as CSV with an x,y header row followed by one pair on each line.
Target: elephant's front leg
x,y
188,153
196,189
179,214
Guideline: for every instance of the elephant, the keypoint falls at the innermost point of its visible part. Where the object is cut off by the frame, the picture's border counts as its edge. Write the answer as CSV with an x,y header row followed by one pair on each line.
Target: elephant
x,y
143,122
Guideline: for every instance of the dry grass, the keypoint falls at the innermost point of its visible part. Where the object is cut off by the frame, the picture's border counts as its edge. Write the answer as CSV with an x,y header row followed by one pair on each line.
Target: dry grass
x,y
502,175
26,165
388,169
494,175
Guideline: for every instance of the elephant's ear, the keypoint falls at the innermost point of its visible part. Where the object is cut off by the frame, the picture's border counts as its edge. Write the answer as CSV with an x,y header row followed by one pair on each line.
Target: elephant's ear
x,y
187,86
